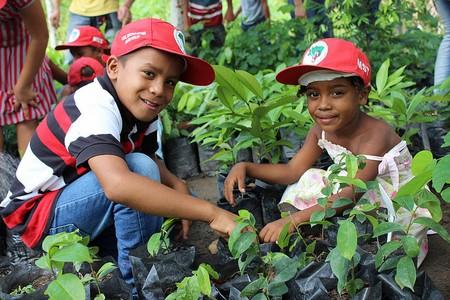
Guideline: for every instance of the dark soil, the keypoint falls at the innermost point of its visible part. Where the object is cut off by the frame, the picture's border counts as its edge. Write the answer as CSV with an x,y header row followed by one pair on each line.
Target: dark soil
x,y
436,265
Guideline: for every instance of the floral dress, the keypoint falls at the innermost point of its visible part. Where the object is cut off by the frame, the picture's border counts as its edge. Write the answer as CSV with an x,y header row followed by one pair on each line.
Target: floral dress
x,y
394,171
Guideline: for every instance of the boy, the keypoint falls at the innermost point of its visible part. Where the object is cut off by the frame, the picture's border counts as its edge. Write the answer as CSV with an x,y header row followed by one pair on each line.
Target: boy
x,y
85,41
83,71
83,170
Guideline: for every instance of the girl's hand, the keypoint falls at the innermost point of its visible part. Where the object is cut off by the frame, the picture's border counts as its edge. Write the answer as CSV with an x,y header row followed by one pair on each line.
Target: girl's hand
x,y
271,232
236,177
24,97
223,221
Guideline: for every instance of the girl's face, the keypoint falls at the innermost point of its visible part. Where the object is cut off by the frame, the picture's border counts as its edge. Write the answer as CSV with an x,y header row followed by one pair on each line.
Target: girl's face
x,y
334,104
145,80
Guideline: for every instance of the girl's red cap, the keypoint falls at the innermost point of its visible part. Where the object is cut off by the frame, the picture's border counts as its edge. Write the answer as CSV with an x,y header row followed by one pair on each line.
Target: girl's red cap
x,y
164,36
329,54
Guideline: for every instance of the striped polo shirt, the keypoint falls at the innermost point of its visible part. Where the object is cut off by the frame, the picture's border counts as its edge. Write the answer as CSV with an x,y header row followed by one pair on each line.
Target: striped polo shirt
x,y
90,122
207,11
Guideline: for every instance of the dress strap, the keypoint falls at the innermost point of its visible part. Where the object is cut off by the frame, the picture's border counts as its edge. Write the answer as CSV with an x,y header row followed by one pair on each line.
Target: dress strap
x,y
388,164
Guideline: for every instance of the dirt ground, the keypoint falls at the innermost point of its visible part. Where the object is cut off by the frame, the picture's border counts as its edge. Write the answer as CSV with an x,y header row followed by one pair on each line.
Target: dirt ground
x,y
436,265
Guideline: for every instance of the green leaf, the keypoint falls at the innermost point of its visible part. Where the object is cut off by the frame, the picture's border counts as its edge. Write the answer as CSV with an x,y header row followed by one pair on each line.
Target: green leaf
x,y
212,273
446,195
347,239
259,296
66,286
276,289
284,237
285,267
428,200
243,243
415,184
351,162
406,201
441,173
249,81
421,162
339,266
100,297
44,262
317,216
352,181
154,244
203,281
438,228
229,80
386,250
73,253
341,202
106,269
60,239
382,76
406,273
386,227
389,264
226,97
253,287
410,246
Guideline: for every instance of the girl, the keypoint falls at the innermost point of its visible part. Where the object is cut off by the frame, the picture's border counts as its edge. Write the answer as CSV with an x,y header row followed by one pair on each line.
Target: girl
x,y
335,75
26,86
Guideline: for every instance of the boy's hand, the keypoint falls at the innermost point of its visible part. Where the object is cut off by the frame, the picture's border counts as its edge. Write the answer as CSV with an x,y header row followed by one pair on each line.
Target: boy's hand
x,y
271,232
223,222
185,226
236,177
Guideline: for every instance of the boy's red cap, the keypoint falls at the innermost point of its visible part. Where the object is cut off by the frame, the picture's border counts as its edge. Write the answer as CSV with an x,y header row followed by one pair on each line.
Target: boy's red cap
x,y
164,36
85,36
2,3
75,75
329,54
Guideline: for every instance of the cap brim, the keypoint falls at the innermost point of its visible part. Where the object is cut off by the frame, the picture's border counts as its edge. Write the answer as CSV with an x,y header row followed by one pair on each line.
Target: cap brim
x,y
198,71
70,45
290,75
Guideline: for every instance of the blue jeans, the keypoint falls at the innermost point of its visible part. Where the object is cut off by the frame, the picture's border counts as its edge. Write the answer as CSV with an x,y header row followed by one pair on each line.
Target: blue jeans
x,y
442,65
83,205
113,25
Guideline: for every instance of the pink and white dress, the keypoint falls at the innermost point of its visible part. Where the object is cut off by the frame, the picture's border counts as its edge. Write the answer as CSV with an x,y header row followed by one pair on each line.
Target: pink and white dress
x,y
14,42
394,171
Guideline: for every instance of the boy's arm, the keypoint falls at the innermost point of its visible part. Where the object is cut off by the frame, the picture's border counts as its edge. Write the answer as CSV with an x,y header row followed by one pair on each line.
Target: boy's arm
x,y
229,15
58,74
140,193
185,9
124,12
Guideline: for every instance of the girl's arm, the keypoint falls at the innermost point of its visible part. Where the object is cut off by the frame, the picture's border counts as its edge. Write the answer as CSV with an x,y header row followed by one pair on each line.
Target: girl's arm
x,y
140,193
275,173
271,231
34,19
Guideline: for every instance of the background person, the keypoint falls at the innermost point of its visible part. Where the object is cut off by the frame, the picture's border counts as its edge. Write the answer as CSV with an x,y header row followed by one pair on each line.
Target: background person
x,y
26,83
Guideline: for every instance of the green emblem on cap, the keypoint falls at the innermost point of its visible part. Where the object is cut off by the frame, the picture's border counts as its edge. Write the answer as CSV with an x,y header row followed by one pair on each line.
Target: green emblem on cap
x,y
315,52
179,38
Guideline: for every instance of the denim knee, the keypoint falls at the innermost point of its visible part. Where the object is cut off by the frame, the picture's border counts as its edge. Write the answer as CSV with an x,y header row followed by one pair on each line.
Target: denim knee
x,y
143,165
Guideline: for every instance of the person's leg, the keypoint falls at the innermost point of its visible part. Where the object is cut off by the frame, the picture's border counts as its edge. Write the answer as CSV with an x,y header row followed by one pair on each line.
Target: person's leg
x,y
83,205
2,141
24,132
113,26
219,35
442,65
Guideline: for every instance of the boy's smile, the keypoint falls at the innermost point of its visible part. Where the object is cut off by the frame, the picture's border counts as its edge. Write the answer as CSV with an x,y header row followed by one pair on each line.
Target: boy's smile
x,y
145,80
334,104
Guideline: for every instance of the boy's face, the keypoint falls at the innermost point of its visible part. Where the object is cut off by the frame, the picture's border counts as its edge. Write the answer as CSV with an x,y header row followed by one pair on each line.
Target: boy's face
x,y
334,104
145,80
87,51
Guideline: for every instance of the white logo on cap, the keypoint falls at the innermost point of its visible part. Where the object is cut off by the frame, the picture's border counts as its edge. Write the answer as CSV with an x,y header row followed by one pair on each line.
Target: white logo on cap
x,y
316,53
132,36
74,35
362,66
179,38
